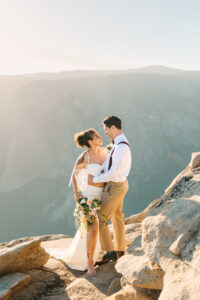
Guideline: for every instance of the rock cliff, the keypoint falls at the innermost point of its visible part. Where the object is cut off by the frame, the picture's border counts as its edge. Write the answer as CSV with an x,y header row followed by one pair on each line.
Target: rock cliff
x,y
162,259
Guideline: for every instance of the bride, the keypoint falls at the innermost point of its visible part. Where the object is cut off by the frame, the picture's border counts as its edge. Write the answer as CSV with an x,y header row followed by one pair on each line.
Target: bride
x,y
85,247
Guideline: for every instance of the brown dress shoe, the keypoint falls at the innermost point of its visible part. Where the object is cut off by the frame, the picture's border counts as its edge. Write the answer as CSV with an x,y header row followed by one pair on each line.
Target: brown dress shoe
x,y
109,256
120,253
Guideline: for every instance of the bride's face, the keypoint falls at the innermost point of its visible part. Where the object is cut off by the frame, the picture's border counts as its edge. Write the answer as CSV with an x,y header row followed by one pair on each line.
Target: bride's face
x,y
97,140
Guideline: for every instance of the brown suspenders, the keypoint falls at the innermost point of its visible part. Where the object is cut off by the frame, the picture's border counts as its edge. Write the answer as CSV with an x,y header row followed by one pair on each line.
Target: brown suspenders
x,y
110,161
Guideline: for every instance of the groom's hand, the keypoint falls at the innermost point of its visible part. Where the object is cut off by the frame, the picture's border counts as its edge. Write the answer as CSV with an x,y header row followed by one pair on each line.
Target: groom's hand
x,y
90,180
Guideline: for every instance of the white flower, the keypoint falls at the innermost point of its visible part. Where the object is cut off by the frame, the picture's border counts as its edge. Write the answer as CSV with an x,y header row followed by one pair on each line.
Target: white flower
x,y
82,201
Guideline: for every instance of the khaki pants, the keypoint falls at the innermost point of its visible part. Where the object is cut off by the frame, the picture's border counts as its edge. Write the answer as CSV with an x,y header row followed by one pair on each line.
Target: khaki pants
x,y
112,207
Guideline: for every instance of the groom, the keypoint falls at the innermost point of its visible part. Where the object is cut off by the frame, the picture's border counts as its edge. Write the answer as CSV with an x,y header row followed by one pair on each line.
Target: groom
x,y
116,170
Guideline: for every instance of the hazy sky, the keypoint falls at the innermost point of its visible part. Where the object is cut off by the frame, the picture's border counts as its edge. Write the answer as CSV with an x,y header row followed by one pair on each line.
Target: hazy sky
x,y
57,35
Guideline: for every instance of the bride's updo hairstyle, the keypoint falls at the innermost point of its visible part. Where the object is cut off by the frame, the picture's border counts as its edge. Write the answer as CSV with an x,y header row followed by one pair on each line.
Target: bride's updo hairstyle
x,y
83,137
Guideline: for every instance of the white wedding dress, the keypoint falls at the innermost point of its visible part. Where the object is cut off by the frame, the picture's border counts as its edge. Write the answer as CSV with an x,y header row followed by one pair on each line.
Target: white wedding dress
x,y
76,255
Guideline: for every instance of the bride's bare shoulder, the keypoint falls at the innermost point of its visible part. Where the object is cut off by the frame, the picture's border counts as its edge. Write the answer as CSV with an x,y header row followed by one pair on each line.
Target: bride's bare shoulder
x,y
81,160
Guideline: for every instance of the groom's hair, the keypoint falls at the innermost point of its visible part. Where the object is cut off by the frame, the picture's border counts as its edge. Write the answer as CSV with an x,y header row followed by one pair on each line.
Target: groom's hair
x,y
113,120
83,137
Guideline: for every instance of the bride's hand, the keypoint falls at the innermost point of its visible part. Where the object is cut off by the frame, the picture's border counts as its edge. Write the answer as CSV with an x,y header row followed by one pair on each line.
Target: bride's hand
x,y
77,196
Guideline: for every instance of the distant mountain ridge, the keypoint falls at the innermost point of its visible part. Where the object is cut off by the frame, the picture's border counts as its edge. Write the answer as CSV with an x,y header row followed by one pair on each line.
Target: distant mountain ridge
x,y
159,69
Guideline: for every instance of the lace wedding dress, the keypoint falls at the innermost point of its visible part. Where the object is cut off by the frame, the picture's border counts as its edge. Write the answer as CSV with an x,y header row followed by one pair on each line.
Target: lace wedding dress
x,y
76,255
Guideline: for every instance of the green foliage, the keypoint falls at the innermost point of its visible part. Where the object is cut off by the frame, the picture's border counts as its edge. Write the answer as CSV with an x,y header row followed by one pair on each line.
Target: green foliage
x,y
86,211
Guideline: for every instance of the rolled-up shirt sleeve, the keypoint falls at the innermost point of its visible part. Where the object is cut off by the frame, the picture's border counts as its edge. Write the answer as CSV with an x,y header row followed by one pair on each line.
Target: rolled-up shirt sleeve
x,y
118,164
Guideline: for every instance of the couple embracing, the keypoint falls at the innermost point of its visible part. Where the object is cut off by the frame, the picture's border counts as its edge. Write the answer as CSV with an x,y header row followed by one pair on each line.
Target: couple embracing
x,y
99,177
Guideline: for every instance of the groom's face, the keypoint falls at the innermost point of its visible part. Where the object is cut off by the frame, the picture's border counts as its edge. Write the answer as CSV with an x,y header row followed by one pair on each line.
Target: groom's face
x,y
108,131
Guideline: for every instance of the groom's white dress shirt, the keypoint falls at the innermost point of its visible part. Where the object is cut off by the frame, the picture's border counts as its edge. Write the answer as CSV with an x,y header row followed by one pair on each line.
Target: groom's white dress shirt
x,y
121,162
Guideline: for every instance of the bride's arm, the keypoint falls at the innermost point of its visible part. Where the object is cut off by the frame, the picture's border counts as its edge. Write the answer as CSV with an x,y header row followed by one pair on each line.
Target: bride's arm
x,y
80,164
77,194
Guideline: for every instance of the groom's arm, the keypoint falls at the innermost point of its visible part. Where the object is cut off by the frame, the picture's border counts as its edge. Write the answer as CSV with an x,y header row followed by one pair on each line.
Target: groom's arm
x,y
107,176
118,160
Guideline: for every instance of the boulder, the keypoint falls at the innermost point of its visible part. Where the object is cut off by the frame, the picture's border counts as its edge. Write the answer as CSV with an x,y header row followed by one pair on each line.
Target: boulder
x,y
12,283
180,281
195,160
137,218
140,271
49,237
22,257
129,292
81,289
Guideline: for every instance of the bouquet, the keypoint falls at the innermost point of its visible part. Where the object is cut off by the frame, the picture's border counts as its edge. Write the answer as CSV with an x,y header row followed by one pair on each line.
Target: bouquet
x,y
86,211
